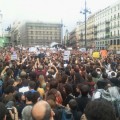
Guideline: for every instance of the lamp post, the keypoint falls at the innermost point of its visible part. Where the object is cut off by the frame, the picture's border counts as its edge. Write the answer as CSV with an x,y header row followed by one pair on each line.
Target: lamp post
x,y
85,11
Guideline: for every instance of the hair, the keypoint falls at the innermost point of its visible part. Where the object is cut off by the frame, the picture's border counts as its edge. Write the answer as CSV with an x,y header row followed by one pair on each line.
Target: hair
x,y
52,92
84,90
9,89
42,80
18,96
99,109
36,95
101,84
68,89
2,111
26,113
25,82
64,78
105,75
89,78
53,84
32,75
32,85
29,95
47,114
94,74
73,104
51,100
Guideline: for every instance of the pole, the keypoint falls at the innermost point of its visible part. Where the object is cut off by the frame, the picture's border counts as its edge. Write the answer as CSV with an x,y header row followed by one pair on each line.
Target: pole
x,y
85,26
61,32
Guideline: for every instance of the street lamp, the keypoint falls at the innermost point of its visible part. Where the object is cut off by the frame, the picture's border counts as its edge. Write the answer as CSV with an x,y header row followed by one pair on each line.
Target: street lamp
x,y
85,11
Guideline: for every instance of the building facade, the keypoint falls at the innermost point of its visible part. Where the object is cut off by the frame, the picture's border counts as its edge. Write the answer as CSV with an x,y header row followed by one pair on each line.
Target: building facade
x,y
1,32
37,33
90,32
15,33
73,39
102,29
107,24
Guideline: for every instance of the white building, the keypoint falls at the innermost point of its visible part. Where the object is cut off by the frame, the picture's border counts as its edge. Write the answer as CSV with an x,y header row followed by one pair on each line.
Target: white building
x,y
1,33
107,22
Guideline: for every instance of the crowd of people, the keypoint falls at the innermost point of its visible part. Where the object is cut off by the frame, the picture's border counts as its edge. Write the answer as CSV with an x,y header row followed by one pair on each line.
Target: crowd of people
x,y
43,85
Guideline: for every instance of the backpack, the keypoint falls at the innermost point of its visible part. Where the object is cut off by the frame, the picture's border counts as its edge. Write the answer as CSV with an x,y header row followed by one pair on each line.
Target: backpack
x,y
113,96
62,113
115,99
1,88
67,115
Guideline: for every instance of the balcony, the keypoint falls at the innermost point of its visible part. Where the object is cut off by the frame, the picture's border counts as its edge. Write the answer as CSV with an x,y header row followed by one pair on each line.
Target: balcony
x,y
95,26
107,29
107,22
95,32
107,36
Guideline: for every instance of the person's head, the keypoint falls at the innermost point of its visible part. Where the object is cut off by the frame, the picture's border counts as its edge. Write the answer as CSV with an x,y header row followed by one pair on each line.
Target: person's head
x,y
32,75
51,99
23,74
26,113
113,74
68,89
101,84
99,109
104,75
73,104
94,74
36,97
28,96
9,89
84,90
89,78
42,111
3,111
9,72
32,85
24,82
53,84
18,97
64,78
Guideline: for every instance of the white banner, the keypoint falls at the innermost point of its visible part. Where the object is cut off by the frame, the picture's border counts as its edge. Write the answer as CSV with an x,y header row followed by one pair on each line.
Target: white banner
x,y
66,55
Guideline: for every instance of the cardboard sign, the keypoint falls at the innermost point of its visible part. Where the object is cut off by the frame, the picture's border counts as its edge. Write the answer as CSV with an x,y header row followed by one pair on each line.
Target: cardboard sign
x,y
14,57
96,55
32,49
66,55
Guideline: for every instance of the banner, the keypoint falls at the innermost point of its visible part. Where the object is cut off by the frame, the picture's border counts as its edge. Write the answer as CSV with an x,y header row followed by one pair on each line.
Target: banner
x,y
66,55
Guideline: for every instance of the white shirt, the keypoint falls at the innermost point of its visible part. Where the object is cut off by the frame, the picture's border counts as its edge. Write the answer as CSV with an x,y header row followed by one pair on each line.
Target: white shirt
x,y
24,89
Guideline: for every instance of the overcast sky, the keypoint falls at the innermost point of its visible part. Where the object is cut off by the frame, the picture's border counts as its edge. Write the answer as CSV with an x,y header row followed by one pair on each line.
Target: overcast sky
x,y
49,10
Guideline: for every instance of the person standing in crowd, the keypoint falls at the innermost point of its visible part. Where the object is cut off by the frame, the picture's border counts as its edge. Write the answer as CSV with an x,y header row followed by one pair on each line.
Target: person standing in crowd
x,y
42,111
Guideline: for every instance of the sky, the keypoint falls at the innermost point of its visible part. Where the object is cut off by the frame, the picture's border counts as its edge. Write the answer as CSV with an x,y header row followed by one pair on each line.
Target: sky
x,y
49,10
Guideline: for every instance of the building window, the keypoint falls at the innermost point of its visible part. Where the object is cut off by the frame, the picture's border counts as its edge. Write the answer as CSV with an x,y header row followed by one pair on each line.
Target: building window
x,y
110,42
114,33
118,15
31,32
118,33
114,16
114,42
111,34
118,42
31,37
